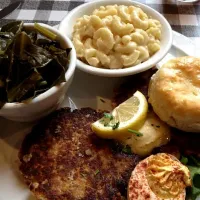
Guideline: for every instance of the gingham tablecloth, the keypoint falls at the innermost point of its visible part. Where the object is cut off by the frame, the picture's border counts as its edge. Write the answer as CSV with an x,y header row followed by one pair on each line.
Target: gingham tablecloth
x,y
183,17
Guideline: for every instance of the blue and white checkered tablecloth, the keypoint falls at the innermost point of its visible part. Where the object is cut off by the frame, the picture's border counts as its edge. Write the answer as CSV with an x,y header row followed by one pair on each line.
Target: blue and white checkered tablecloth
x,y
183,17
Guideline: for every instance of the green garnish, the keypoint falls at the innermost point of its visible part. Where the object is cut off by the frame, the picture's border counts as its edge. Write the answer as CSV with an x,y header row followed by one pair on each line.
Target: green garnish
x,y
193,164
196,180
106,124
137,133
115,126
195,160
195,190
127,150
107,121
108,116
96,172
184,160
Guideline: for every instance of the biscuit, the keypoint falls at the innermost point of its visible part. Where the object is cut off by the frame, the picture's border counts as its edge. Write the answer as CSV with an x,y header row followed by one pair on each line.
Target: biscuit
x,y
174,93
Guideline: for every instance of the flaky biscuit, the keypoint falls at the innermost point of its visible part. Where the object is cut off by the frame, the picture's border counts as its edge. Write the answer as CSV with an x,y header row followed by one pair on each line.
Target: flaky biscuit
x,y
174,93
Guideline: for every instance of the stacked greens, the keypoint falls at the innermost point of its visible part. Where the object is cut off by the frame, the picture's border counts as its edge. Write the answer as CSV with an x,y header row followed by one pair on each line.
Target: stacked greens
x,y
31,62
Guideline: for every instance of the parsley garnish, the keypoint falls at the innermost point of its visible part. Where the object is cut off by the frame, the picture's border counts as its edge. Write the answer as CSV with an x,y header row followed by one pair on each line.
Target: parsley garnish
x,y
127,150
108,121
115,126
195,160
106,124
184,160
96,172
137,133
193,164
108,116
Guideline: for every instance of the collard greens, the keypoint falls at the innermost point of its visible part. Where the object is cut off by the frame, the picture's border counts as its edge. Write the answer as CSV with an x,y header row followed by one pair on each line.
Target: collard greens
x,y
31,62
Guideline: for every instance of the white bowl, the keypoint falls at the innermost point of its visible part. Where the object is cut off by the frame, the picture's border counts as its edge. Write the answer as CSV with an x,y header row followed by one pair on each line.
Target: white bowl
x,y
66,27
48,101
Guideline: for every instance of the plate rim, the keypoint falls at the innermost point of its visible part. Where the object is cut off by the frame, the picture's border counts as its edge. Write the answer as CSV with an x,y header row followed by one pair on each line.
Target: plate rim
x,y
17,190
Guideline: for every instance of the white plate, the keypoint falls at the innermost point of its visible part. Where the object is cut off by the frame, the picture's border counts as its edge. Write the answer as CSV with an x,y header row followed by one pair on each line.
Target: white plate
x,y
84,92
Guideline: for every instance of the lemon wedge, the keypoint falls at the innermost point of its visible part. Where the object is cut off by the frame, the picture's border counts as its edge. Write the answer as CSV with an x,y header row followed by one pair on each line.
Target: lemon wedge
x,y
130,114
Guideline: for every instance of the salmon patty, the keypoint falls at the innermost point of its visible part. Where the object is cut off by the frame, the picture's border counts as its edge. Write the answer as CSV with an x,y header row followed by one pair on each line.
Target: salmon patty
x,y
62,159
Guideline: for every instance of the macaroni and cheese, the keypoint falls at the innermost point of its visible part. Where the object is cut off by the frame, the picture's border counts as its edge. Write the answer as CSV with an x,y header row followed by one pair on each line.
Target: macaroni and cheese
x,y
116,37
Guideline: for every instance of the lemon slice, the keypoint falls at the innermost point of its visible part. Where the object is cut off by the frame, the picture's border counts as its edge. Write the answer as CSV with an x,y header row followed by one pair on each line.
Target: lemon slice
x,y
130,114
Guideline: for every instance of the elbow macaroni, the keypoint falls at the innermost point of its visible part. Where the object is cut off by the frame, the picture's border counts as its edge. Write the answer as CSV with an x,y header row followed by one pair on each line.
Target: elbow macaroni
x,y
116,37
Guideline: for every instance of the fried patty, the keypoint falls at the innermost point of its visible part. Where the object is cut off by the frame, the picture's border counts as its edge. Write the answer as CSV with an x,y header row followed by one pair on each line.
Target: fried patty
x,y
62,159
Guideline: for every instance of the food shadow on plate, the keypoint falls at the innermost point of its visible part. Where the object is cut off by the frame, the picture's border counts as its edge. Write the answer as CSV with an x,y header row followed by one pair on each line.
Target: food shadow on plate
x,y
10,128
11,136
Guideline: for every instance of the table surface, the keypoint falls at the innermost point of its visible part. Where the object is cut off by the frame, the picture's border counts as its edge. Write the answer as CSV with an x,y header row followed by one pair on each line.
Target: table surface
x,y
183,17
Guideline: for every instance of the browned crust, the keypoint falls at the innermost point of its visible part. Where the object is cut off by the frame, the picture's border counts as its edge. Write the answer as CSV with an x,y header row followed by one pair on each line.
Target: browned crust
x,y
59,167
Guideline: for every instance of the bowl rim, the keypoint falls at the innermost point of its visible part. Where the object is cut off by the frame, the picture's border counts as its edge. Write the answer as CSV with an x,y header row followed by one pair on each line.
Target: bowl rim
x,y
54,89
125,71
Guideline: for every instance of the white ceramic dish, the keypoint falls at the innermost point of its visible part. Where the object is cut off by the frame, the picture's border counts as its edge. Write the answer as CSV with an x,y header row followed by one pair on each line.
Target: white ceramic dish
x,y
83,92
66,27
47,101
188,1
